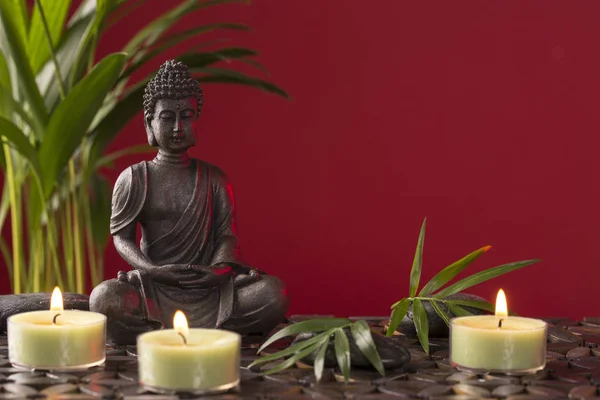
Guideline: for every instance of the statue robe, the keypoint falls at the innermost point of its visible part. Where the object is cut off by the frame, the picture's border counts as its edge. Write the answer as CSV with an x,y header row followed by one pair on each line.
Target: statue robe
x,y
204,234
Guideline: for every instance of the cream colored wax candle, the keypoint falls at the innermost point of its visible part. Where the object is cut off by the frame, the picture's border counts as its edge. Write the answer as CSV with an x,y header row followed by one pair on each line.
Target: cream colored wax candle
x,y
56,339
189,360
498,343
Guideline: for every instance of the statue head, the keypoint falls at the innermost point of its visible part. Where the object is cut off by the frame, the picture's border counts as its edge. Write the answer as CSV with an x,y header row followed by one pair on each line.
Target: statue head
x,y
172,104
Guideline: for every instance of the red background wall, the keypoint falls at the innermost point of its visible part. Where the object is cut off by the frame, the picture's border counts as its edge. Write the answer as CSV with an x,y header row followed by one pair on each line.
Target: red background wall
x,y
480,116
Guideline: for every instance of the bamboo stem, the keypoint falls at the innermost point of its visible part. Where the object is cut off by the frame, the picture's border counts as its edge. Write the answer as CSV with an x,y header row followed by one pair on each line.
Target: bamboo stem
x,y
38,259
15,221
79,262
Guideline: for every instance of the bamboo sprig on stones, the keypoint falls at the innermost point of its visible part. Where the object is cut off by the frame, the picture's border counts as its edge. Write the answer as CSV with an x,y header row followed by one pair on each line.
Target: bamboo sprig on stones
x,y
327,328
436,294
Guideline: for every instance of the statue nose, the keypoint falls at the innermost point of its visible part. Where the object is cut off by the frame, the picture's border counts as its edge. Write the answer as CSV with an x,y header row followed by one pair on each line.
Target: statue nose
x,y
177,129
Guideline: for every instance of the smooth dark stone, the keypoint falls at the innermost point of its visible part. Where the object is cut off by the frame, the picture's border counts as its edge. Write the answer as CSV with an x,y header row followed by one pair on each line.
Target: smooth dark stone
x,y
381,396
560,347
557,335
96,390
410,388
419,376
21,390
437,326
97,376
545,391
585,330
470,390
445,364
129,375
592,321
573,378
507,390
459,377
18,303
415,366
579,352
59,389
580,392
591,363
392,355
24,375
435,390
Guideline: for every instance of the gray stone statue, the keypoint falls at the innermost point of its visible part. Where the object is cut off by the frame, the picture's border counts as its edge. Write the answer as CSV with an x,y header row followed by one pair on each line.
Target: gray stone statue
x,y
189,257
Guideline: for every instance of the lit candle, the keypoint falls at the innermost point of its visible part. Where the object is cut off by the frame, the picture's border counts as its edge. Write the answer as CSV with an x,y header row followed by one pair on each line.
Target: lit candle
x,y
56,339
189,360
498,343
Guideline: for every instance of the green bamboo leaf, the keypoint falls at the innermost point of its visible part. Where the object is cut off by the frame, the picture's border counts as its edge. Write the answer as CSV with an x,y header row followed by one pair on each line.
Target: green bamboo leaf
x,y
421,324
109,159
342,352
291,349
482,305
148,35
458,310
6,100
219,75
310,325
415,272
482,276
112,123
400,310
73,116
439,311
5,201
66,54
168,42
17,9
446,275
87,44
18,54
293,359
364,341
37,44
7,256
8,105
319,363
124,8
86,9
19,141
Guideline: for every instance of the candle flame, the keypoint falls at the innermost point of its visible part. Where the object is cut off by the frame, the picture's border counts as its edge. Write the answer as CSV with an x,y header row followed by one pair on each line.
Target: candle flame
x,y
56,301
501,306
180,324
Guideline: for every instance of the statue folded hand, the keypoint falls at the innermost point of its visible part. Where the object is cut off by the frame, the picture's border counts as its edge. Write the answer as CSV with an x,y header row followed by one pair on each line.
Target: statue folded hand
x,y
170,274
206,275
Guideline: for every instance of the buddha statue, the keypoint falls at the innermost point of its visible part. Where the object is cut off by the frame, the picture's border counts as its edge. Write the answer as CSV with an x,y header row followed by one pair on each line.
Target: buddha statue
x,y
189,257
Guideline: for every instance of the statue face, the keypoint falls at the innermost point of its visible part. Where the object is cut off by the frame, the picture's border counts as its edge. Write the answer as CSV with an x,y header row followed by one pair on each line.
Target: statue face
x,y
174,124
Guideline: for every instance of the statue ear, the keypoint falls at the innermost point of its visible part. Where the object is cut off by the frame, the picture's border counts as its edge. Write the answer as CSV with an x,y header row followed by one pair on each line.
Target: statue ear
x,y
151,139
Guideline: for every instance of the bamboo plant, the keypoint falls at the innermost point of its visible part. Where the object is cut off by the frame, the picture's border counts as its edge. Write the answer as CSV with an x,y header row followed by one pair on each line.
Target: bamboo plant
x,y
60,108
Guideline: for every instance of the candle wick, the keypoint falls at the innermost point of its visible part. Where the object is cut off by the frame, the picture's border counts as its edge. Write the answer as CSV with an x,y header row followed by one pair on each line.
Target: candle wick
x,y
500,323
54,319
183,337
